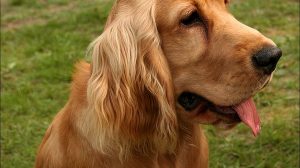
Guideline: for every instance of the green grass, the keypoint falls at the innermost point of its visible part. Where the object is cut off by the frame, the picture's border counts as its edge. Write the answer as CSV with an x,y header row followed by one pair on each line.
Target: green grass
x,y
41,40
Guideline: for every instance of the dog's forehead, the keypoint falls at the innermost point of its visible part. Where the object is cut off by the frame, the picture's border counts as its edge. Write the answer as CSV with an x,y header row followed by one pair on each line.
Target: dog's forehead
x,y
193,2
176,6
172,10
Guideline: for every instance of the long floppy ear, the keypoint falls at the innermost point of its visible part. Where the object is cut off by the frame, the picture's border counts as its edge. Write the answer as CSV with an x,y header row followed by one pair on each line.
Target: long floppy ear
x,y
130,89
112,14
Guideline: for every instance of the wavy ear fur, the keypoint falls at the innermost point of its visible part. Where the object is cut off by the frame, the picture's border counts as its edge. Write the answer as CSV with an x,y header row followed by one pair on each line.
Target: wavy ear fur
x,y
130,92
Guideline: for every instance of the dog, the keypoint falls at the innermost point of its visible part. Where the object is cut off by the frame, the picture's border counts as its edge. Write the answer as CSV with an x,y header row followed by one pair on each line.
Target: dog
x,y
159,69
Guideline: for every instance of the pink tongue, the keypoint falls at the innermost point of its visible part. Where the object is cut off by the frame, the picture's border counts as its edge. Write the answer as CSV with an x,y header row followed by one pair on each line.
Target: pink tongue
x,y
248,114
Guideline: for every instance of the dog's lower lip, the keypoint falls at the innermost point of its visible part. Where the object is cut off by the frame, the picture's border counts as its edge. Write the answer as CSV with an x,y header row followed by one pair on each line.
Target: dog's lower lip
x,y
222,110
199,105
225,112
216,108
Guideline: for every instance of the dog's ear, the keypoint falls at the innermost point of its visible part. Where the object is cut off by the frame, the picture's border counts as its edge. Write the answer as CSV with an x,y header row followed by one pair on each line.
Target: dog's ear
x,y
112,14
130,88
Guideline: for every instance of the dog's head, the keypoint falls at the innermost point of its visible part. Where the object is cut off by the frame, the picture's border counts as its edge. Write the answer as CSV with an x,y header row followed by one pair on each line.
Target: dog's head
x,y
159,62
217,63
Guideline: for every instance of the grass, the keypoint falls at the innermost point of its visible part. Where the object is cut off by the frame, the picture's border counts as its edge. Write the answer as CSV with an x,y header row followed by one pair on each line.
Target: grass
x,y
41,40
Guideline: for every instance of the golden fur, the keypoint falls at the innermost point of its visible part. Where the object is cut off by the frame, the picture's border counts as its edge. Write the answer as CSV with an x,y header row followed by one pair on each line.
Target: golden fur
x,y
122,110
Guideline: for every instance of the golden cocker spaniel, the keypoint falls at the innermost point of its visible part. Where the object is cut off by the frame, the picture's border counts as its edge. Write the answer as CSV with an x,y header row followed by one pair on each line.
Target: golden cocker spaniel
x,y
159,69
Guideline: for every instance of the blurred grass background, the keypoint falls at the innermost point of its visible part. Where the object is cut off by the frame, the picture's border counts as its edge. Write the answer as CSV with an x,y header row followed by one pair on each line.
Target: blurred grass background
x,y
42,39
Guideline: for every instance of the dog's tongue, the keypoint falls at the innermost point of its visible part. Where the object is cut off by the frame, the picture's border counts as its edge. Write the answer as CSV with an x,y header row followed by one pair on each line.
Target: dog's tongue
x,y
248,114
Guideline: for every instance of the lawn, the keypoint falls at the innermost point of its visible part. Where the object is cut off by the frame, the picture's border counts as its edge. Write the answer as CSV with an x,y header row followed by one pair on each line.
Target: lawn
x,y
42,39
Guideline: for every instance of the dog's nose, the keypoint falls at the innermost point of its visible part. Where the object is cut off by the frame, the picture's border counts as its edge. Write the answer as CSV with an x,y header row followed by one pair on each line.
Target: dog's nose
x,y
266,59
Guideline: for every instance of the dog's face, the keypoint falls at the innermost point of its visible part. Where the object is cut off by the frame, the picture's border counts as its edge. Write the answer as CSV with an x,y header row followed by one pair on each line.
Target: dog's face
x,y
214,59
151,48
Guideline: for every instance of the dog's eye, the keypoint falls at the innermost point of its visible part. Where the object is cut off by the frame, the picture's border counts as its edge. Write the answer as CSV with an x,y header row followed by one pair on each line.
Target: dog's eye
x,y
192,19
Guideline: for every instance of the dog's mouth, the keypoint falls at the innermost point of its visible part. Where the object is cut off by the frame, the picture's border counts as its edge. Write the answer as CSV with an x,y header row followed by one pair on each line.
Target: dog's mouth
x,y
244,111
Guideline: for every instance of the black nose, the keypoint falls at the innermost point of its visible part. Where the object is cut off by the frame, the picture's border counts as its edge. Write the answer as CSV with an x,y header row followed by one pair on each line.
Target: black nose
x,y
266,59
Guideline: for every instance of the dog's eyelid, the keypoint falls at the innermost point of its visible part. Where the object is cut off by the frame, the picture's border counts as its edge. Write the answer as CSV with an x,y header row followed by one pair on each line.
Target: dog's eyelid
x,y
192,18
188,12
